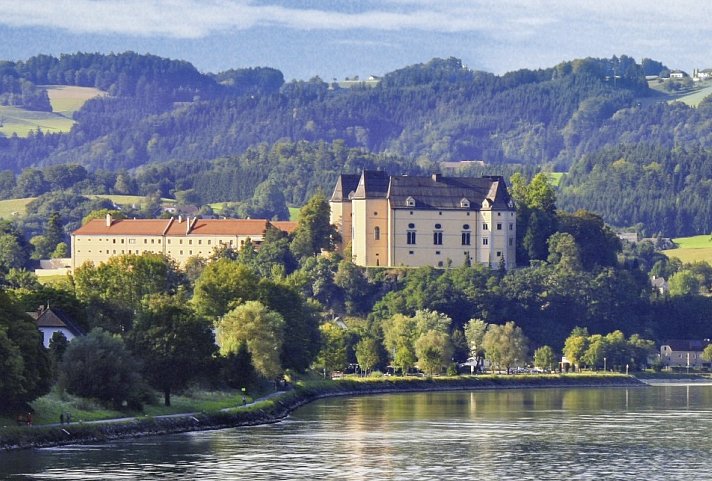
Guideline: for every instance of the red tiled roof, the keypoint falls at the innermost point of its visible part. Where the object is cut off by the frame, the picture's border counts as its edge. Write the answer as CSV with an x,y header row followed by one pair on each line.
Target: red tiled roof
x,y
176,227
123,227
286,225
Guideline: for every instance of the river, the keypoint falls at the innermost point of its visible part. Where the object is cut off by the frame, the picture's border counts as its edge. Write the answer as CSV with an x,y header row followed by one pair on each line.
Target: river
x,y
653,433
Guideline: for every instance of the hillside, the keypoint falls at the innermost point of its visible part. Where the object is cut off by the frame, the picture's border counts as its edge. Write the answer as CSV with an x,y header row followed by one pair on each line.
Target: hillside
x,y
220,135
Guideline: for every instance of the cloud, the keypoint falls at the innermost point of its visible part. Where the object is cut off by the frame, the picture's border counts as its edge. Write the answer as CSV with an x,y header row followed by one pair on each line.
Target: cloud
x,y
506,20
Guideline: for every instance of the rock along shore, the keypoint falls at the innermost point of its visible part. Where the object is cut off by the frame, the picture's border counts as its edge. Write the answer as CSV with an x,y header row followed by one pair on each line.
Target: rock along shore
x,y
279,406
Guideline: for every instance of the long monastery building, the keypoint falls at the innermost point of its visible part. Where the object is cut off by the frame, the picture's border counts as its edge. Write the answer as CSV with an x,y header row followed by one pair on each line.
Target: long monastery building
x,y
178,238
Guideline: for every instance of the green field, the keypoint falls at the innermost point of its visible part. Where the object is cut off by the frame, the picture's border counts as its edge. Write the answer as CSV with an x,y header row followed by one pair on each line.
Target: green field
x,y
65,100
21,122
294,213
691,249
694,98
125,200
13,207
555,178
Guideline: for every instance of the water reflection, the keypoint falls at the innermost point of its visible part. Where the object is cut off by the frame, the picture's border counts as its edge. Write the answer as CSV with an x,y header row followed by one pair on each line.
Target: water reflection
x,y
647,433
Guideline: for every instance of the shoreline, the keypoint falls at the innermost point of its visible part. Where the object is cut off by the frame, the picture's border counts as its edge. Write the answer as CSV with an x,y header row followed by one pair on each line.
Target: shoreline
x,y
277,407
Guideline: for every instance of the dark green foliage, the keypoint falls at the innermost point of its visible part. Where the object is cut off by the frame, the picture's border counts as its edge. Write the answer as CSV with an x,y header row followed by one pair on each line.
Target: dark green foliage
x,y
24,363
174,344
99,366
236,369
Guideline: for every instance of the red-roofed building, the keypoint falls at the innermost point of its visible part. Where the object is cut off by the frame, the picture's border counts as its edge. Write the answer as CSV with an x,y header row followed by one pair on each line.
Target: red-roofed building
x,y
179,238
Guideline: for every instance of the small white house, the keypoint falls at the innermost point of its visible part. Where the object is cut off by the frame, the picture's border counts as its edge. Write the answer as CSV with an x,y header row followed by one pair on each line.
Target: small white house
x,y
50,320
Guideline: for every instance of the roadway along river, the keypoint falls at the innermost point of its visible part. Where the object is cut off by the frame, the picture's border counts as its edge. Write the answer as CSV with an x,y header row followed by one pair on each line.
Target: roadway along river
x,y
655,433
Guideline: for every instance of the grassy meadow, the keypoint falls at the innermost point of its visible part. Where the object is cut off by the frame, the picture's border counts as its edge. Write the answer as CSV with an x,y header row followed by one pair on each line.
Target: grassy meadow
x,y
692,249
14,207
65,100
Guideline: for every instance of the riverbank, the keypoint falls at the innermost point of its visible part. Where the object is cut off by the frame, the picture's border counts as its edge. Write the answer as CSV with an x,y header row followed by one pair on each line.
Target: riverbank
x,y
280,405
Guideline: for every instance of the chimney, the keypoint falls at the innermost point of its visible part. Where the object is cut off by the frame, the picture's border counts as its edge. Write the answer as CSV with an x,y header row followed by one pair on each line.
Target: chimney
x,y
437,177
108,220
180,219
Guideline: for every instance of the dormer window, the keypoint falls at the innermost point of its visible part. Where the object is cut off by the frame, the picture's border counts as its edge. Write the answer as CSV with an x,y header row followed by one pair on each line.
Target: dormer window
x,y
464,203
410,202
487,203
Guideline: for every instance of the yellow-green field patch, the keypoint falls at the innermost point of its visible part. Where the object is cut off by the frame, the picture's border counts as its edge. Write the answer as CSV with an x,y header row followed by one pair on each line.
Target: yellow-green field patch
x,y
22,122
13,208
67,99
555,178
692,249
127,200
294,213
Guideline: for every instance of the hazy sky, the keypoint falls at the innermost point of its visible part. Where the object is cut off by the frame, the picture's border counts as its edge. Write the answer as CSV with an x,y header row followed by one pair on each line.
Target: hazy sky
x,y
334,39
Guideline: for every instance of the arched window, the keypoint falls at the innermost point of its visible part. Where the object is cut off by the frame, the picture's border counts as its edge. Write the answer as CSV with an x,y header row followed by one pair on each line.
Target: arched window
x,y
377,233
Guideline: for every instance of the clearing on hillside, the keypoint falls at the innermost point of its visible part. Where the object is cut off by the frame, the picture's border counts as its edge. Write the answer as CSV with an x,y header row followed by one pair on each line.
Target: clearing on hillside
x,y
692,249
65,100
14,208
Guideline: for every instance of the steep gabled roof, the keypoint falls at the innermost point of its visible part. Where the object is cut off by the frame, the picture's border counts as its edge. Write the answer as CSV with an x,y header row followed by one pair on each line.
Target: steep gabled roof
x,y
345,185
53,317
373,184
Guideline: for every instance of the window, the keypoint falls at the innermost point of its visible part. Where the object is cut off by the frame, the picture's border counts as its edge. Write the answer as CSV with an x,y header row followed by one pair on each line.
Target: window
x,y
375,214
114,241
511,242
440,263
499,253
376,233
145,241
200,242
511,226
411,226
437,253
485,241
209,241
466,227
410,237
464,203
122,241
153,241
499,226
466,238
438,226
410,202
410,252
485,226
438,238
190,242
132,241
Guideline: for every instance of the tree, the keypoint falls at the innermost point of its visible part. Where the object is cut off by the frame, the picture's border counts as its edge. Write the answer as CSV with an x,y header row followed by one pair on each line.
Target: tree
x,y
332,355
684,283
505,345
99,366
707,353
475,331
24,362
575,346
261,329
368,353
222,284
12,253
174,344
237,369
57,347
314,232
434,351
544,358
563,252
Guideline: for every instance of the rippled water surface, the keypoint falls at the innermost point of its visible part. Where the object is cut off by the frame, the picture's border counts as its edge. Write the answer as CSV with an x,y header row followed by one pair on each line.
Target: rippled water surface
x,y
655,433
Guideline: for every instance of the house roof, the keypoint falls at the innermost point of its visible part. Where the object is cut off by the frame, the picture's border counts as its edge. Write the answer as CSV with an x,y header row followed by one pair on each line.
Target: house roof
x,y
52,317
181,227
346,184
687,344
439,192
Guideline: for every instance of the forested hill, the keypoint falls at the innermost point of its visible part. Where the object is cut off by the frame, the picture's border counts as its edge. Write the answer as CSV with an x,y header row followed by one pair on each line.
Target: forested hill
x,y
162,109
632,161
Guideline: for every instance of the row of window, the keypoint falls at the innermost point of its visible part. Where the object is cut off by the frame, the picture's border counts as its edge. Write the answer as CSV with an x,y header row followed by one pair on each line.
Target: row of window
x,y
467,253
466,238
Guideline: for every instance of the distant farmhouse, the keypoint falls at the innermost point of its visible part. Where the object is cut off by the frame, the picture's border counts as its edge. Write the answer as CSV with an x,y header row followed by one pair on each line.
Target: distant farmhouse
x,y
425,221
178,238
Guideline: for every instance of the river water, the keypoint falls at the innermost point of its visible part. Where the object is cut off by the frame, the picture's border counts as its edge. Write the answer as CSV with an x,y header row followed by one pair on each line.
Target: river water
x,y
653,433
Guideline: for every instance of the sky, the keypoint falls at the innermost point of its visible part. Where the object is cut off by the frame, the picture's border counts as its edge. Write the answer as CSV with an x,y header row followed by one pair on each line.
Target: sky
x,y
338,39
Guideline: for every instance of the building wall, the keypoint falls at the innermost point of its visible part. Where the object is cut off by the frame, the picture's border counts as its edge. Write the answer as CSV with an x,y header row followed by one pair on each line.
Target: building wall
x,y
370,231
47,333
340,217
100,248
680,358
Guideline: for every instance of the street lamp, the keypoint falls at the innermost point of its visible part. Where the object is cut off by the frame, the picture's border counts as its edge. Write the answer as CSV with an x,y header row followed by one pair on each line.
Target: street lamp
x,y
604,364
